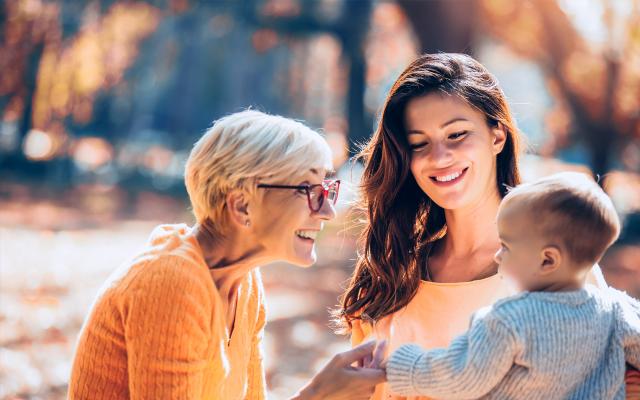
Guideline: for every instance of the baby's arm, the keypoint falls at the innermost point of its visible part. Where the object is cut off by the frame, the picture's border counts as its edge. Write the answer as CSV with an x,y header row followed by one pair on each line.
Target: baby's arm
x,y
473,365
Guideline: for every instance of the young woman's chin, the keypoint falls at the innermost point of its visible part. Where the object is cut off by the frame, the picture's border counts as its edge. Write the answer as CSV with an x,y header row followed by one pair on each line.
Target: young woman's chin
x,y
452,200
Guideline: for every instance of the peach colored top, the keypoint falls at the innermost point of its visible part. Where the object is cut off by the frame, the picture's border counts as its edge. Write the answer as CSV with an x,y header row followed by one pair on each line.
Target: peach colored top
x,y
438,313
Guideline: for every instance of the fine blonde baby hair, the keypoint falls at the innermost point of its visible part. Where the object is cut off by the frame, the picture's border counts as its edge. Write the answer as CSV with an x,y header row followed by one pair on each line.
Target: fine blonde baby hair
x,y
571,208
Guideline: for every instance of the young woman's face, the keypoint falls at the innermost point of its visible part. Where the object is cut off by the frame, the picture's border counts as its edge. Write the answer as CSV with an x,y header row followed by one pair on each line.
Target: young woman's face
x,y
284,224
453,150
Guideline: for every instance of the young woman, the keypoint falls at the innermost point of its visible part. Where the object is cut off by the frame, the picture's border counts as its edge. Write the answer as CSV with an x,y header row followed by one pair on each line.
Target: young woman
x,y
443,156
184,319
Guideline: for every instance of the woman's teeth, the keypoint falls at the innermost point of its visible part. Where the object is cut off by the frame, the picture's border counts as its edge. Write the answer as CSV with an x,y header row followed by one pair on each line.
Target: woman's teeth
x,y
447,178
307,234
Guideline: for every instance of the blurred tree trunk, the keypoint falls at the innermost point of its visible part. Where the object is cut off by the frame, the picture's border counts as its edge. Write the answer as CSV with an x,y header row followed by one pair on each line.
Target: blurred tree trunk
x,y
442,25
352,33
350,28
30,80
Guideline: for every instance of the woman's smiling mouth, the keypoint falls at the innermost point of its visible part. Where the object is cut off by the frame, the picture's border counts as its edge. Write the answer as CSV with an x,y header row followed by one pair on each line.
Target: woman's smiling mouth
x,y
449,178
307,235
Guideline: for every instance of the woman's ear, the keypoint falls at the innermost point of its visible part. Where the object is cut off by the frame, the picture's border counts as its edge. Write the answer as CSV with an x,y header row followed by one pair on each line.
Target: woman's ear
x,y
499,138
237,204
551,260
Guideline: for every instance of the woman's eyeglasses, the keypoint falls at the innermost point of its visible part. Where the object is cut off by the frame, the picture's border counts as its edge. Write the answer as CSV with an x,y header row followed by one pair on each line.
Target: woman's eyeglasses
x,y
315,193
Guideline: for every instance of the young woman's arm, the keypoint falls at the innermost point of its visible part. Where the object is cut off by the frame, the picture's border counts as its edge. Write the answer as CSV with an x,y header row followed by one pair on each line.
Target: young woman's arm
x,y
632,381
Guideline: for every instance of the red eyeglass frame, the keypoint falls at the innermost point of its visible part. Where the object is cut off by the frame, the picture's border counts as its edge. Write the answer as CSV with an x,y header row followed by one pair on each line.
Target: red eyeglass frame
x,y
326,186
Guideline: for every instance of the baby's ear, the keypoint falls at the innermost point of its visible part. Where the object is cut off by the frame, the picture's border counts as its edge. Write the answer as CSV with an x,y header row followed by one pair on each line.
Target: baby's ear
x,y
551,257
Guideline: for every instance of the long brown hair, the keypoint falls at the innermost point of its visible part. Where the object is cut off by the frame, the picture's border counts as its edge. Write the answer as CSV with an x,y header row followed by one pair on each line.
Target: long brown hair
x,y
402,222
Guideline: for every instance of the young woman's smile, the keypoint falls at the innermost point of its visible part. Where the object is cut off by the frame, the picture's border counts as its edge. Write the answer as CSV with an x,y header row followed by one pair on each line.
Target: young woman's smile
x,y
453,150
449,178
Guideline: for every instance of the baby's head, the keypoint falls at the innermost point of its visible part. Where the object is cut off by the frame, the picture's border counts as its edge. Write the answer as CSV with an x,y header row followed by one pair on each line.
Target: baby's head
x,y
553,230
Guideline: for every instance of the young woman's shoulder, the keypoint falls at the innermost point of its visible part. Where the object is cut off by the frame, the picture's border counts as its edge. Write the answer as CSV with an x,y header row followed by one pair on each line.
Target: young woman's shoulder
x,y
596,277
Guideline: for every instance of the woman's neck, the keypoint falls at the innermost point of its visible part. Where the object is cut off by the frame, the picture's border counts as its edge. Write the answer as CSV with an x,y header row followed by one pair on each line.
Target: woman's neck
x,y
472,229
230,257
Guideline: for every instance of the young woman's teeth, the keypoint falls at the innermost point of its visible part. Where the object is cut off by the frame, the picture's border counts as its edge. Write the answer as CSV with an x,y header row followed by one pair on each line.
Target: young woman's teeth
x,y
448,177
307,234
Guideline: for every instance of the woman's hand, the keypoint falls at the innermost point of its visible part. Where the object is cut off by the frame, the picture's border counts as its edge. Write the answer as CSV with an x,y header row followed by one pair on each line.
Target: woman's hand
x,y
632,381
339,379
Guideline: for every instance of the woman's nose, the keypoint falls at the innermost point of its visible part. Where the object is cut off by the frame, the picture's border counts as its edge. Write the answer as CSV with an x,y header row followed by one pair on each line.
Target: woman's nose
x,y
327,211
441,155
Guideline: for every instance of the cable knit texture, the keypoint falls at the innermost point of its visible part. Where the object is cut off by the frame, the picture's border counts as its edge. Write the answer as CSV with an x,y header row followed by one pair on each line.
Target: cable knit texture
x,y
436,315
536,345
157,330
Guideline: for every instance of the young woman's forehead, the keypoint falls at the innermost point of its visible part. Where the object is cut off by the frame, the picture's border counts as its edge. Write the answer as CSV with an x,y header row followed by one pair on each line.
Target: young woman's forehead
x,y
439,110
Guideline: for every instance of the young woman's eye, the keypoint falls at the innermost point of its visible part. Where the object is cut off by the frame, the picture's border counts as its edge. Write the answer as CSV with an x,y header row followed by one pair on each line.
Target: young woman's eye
x,y
418,146
458,135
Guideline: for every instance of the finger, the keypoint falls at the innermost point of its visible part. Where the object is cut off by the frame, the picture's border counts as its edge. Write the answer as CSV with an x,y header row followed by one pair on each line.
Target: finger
x,y
357,353
366,361
378,354
371,376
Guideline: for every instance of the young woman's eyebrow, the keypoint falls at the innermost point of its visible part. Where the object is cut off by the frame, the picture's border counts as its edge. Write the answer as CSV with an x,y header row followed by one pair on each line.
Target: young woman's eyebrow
x,y
451,121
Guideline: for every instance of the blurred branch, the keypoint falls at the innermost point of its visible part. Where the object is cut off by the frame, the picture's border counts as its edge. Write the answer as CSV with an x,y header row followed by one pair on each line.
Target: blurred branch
x,y
303,23
587,80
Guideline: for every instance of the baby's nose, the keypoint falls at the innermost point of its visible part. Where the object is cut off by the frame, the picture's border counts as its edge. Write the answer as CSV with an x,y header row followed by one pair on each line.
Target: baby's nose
x,y
498,256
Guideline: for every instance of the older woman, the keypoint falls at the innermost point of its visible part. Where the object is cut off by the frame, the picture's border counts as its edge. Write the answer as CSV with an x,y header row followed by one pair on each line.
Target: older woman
x,y
184,319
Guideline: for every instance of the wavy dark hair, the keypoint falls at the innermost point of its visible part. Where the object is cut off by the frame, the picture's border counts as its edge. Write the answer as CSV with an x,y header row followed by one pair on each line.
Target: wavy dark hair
x,y
401,221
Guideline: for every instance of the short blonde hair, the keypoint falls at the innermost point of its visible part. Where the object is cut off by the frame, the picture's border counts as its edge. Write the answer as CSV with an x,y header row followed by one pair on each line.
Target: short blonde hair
x,y
570,207
245,148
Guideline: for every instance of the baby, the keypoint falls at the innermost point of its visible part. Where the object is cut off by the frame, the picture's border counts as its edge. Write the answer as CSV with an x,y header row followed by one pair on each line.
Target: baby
x,y
558,338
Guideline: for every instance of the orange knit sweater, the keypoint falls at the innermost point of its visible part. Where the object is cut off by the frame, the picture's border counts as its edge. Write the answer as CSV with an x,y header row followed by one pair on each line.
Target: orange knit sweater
x,y
157,330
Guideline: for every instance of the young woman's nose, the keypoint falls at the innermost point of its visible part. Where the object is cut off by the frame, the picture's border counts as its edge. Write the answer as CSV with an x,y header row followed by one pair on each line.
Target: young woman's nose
x,y
441,155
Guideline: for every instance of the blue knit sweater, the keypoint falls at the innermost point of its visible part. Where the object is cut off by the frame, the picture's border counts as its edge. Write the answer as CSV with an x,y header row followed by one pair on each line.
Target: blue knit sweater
x,y
535,345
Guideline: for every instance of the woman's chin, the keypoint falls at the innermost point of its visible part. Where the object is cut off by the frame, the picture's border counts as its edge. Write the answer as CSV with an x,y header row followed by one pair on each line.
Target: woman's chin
x,y
304,253
453,202
303,259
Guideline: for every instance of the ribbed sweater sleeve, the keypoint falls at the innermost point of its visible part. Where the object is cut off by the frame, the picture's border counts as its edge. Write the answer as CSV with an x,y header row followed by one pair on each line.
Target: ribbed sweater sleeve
x,y
167,317
629,327
470,367
256,385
